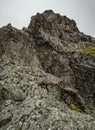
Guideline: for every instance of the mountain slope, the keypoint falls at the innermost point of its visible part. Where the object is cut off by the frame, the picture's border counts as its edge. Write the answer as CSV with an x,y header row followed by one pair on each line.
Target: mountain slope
x,y
47,74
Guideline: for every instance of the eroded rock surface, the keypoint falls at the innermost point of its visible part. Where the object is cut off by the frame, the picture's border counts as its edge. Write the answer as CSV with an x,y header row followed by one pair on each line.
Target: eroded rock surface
x,y
47,79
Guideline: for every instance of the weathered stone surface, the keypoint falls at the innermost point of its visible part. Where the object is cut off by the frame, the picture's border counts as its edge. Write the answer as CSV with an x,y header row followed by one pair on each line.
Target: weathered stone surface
x,y
44,72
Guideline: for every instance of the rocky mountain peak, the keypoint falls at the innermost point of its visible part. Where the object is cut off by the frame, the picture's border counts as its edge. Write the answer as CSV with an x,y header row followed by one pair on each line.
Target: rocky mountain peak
x,y
58,26
47,75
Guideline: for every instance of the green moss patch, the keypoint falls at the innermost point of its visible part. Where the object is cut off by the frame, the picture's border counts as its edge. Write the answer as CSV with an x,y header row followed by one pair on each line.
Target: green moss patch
x,y
90,49
74,107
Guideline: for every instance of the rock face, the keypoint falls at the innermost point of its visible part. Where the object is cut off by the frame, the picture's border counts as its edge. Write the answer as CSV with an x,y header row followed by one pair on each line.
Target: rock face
x,y
47,76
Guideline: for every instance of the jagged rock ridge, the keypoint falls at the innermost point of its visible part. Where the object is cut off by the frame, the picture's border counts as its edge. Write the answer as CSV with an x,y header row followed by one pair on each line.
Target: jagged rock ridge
x,y
44,71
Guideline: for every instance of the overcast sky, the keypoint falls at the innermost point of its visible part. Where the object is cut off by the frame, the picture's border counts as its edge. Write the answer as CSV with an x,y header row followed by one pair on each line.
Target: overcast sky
x,y
18,12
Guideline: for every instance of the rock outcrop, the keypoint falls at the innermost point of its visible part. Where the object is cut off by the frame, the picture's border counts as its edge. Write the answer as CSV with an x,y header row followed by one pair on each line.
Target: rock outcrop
x,y
47,75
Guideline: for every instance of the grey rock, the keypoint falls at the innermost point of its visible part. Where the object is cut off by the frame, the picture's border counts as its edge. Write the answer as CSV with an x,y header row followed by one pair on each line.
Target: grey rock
x,y
46,76
11,92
